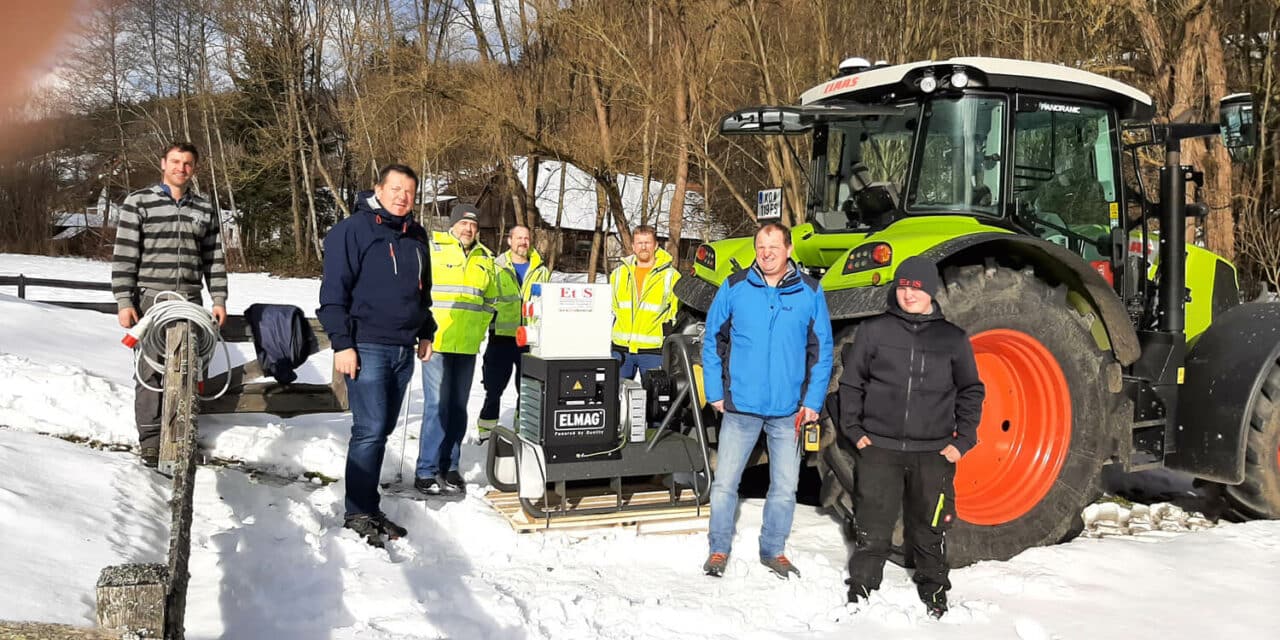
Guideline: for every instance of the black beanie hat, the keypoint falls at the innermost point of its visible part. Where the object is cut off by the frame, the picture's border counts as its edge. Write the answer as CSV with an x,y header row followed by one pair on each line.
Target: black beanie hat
x,y
462,212
920,273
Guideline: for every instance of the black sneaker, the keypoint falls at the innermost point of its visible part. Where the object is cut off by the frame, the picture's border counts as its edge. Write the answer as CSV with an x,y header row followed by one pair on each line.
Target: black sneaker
x,y
715,564
454,478
436,486
392,530
858,593
781,566
366,527
150,456
936,602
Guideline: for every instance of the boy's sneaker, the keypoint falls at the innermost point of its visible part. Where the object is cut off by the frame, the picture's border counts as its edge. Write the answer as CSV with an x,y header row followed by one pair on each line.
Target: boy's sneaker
x,y
484,426
781,566
715,564
365,526
935,603
392,530
454,478
858,593
435,486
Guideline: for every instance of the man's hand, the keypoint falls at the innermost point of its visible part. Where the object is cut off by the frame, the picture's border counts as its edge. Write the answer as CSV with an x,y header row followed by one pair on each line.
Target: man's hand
x,y
863,442
347,362
127,317
808,415
220,314
950,452
719,405
424,350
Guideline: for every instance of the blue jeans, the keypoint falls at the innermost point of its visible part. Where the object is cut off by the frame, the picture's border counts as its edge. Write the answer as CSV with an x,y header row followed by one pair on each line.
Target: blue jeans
x,y
632,363
375,395
446,387
738,435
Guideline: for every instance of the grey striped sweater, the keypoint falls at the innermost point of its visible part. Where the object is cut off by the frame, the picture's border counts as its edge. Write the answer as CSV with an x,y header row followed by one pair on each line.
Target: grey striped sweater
x,y
164,245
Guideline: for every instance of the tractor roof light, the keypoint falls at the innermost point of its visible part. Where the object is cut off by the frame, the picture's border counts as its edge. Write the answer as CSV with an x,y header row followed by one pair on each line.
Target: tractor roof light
x,y
959,79
928,83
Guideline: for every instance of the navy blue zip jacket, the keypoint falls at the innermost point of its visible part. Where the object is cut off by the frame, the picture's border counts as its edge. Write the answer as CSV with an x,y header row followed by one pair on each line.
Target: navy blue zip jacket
x,y
377,279
767,350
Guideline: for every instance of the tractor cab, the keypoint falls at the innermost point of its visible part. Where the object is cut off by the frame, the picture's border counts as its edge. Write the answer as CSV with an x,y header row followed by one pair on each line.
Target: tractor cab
x,y
1030,147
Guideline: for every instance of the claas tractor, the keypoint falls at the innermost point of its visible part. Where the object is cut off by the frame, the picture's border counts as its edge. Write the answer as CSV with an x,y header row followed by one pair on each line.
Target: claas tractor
x,y
1102,335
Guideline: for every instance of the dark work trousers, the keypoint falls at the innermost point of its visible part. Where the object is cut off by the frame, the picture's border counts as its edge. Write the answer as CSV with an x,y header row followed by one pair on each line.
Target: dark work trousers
x,y
147,404
920,484
500,357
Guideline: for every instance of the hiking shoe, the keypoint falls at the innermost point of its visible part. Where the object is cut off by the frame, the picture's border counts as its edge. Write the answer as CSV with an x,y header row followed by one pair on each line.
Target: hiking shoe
x,y
454,478
366,527
150,456
781,566
715,564
392,530
935,603
435,486
484,426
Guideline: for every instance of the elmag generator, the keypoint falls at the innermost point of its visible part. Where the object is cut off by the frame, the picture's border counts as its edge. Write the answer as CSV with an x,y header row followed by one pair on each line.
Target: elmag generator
x,y
577,422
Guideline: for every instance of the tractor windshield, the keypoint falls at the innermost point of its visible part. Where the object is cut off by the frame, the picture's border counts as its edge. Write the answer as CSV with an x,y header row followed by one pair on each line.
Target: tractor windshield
x,y
862,165
959,160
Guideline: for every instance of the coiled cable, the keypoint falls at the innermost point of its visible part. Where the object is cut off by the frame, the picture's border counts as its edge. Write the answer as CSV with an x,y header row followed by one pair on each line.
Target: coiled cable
x,y
172,307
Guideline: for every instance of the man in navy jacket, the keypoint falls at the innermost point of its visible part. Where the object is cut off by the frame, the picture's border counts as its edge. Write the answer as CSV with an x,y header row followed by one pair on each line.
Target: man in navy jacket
x,y
375,304
766,363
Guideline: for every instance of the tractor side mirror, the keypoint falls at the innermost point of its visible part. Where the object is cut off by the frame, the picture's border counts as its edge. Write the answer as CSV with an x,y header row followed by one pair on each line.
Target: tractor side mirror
x,y
1239,129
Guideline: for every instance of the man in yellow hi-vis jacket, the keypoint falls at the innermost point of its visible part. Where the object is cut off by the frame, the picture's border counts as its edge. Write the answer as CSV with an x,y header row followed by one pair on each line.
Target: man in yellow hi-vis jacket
x,y
644,303
516,271
463,290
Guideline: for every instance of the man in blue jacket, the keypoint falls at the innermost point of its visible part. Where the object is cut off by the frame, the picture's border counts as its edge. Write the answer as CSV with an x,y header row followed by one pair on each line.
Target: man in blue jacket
x,y
766,363
375,304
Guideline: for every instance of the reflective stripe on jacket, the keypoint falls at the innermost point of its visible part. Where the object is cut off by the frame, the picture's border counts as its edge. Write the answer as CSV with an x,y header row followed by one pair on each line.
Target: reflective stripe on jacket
x,y
463,289
640,317
511,293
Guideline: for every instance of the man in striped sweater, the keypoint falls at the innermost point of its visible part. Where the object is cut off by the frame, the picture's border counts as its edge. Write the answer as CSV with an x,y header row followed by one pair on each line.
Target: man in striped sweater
x,y
167,240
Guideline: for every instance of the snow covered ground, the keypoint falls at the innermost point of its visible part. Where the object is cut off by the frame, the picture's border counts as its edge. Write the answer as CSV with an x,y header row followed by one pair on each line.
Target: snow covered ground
x,y
270,558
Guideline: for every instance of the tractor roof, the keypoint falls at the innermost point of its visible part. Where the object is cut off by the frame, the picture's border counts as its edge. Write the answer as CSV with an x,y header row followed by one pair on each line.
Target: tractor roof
x,y
878,83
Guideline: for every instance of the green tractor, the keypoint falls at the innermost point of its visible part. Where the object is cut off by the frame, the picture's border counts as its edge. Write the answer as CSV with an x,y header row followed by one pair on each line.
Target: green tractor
x,y
1102,336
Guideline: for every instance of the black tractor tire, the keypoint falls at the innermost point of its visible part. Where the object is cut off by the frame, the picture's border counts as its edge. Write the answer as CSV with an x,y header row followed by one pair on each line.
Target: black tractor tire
x,y
979,299
1259,495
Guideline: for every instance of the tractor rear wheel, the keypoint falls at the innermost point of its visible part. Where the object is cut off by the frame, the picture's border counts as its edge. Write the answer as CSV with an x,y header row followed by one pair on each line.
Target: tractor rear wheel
x,y
1259,495
1048,420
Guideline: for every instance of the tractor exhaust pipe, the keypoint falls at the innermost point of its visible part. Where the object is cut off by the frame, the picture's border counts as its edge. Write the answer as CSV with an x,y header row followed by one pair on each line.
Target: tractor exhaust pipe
x,y
1173,238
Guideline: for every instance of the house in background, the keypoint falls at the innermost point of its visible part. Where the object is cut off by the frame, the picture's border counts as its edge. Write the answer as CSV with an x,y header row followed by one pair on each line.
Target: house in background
x,y
573,211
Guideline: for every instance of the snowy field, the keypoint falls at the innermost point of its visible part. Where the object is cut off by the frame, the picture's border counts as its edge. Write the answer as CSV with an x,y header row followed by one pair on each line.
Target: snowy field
x,y
270,558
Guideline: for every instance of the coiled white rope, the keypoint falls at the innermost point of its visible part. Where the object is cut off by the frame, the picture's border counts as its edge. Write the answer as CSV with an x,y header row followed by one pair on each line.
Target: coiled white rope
x,y
172,307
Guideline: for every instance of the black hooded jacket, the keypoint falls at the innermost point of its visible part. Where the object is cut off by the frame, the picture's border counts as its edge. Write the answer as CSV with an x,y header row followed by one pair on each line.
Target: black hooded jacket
x,y
910,383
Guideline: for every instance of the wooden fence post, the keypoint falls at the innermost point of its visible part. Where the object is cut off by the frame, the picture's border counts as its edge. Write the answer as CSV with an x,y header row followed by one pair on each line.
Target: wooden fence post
x,y
131,598
178,452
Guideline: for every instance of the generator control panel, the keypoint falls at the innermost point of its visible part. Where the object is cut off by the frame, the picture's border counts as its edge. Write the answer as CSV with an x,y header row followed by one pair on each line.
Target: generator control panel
x,y
570,408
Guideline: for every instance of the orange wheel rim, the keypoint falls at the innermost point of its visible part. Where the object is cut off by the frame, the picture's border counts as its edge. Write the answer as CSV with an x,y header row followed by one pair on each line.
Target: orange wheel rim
x,y
1025,432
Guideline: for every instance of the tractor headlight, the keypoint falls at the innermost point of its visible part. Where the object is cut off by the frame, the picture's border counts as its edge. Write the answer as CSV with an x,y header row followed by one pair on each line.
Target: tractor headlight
x,y
706,256
867,257
959,79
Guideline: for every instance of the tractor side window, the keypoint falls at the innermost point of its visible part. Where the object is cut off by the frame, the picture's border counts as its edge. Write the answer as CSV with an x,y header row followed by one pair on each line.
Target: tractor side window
x,y
1064,177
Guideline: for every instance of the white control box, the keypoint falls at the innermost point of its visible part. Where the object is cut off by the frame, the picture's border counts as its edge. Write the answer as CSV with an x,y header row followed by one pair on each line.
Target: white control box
x,y
568,320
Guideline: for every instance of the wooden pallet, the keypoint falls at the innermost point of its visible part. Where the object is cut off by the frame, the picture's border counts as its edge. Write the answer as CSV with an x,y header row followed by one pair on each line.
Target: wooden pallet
x,y
660,517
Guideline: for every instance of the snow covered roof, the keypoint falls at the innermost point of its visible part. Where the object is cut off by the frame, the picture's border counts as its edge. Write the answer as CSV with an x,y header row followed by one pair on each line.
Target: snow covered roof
x,y
580,200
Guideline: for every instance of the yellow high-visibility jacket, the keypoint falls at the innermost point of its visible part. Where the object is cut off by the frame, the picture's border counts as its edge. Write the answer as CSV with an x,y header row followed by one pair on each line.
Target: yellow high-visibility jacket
x,y
511,293
639,316
463,289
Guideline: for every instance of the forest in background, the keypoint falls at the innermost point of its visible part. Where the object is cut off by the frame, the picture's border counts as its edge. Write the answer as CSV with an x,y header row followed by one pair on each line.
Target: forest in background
x,y
294,102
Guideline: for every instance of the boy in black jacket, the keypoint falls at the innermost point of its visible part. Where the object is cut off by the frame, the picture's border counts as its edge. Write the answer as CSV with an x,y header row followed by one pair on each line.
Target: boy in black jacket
x,y
910,402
